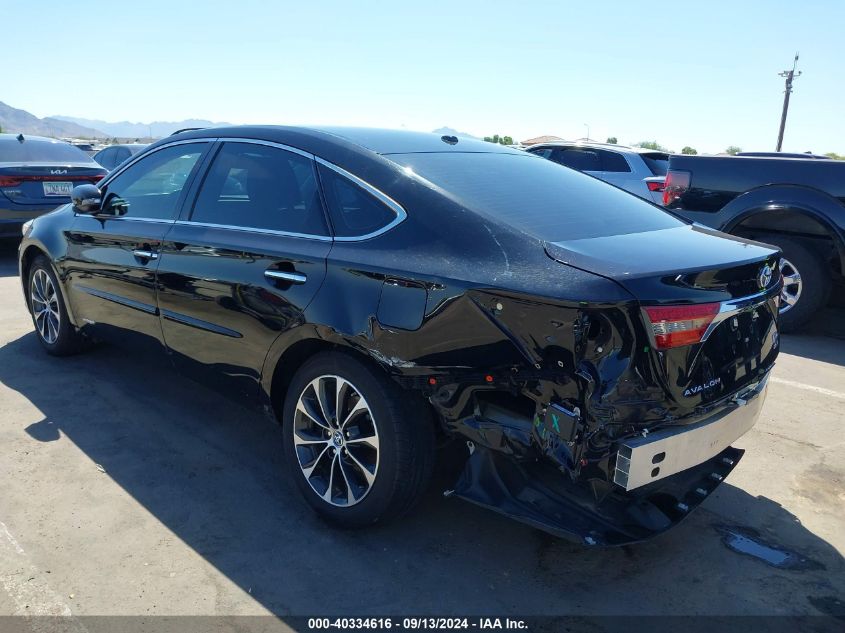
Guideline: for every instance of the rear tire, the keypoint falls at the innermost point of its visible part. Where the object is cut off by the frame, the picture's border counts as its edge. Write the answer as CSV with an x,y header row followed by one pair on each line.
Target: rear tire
x,y
45,300
803,295
368,462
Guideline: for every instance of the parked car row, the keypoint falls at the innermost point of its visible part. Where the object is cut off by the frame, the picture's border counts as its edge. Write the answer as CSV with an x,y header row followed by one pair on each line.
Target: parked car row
x,y
377,290
794,201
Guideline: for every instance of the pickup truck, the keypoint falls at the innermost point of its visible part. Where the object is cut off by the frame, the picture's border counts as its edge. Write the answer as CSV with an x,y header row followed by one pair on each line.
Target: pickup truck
x,y
796,204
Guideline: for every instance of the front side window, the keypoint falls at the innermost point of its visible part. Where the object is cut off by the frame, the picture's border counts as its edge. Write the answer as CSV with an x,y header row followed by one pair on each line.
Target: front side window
x,y
151,187
261,187
354,211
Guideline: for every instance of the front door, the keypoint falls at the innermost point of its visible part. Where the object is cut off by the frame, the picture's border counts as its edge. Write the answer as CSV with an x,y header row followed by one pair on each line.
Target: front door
x,y
243,264
112,256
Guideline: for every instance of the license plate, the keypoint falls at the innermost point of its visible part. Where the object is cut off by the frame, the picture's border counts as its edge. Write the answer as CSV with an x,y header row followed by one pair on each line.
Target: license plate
x,y
58,188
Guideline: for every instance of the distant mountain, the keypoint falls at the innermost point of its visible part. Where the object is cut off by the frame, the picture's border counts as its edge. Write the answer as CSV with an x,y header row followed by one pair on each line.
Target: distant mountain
x,y
125,129
448,131
14,120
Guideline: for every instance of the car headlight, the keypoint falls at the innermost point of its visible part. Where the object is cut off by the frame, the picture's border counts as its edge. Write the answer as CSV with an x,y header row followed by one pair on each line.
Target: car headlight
x,y
27,227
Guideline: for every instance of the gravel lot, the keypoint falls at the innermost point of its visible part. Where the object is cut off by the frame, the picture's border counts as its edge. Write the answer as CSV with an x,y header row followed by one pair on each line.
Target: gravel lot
x,y
129,490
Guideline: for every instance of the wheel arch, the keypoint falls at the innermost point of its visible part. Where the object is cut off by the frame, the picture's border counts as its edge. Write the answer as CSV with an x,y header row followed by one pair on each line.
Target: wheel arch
x,y
290,351
27,257
790,220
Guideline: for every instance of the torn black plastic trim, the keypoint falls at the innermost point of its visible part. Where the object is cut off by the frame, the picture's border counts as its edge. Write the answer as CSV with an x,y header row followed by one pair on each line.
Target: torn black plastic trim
x,y
535,494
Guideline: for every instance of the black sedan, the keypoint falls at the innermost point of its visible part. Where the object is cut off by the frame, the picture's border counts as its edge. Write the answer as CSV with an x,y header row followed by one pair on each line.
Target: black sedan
x,y
376,291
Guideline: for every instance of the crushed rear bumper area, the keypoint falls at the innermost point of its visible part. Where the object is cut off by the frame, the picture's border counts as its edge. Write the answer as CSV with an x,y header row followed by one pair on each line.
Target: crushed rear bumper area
x,y
658,479
523,491
644,460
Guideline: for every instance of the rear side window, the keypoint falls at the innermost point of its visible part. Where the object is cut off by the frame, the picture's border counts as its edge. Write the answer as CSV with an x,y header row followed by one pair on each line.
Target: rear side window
x,y
536,196
577,158
613,162
354,211
261,187
657,163
545,152
32,151
151,187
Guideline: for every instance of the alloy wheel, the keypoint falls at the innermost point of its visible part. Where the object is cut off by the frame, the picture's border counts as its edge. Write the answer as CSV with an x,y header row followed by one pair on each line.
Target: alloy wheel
x,y
792,285
45,306
336,440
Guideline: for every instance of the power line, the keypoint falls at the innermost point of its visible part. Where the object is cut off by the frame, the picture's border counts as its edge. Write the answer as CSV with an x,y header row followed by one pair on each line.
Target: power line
x,y
790,75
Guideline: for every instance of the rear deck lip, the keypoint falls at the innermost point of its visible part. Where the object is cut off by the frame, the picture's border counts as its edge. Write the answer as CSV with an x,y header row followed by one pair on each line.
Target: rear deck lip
x,y
715,434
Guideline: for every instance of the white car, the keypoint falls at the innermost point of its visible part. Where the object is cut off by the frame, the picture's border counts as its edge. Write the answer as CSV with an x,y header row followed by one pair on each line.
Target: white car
x,y
635,169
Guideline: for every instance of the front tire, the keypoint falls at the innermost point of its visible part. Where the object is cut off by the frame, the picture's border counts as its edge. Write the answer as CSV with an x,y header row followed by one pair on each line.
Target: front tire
x,y
359,447
806,282
55,332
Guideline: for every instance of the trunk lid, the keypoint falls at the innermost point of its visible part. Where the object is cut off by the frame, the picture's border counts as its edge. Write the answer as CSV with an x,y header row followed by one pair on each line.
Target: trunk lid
x,y
686,267
45,183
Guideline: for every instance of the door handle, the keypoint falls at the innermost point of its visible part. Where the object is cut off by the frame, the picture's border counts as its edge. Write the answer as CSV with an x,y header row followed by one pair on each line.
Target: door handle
x,y
284,275
145,254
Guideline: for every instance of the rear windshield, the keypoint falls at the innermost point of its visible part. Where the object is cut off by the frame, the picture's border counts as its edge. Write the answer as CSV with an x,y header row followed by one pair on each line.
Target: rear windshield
x,y
657,163
537,196
38,151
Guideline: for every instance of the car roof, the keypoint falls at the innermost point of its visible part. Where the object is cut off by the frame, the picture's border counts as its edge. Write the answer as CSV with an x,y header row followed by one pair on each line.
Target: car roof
x,y
595,145
30,137
379,141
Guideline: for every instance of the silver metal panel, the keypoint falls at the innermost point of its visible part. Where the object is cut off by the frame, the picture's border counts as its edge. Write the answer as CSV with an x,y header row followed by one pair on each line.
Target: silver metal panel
x,y
643,460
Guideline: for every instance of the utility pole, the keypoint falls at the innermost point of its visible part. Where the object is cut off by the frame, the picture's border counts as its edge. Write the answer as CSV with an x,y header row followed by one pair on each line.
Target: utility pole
x,y
790,75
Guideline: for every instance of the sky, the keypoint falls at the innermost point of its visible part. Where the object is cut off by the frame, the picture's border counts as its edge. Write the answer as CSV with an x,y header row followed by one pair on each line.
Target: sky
x,y
703,74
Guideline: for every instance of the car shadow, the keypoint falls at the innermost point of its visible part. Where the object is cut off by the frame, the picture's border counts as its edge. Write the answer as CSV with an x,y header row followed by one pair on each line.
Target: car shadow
x,y
211,472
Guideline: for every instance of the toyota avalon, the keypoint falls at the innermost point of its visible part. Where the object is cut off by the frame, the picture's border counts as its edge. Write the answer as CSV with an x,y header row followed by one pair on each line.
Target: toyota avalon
x,y
378,291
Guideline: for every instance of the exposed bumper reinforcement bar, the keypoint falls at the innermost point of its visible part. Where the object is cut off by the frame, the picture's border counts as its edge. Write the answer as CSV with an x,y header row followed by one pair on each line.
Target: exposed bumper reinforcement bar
x,y
661,454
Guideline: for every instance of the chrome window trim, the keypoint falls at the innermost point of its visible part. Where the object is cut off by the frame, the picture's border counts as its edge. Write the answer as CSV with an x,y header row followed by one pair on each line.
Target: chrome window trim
x,y
143,154
382,197
247,229
106,216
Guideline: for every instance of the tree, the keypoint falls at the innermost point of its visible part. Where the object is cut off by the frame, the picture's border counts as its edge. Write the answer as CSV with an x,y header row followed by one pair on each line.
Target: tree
x,y
652,145
501,140
689,150
733,150
835,156
611,139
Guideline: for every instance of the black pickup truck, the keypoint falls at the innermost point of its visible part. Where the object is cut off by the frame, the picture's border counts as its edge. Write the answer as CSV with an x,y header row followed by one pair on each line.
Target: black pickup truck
x,y
797,204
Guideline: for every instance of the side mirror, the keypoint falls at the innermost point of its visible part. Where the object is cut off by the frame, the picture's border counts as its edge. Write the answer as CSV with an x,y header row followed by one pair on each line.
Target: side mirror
x,y
86,198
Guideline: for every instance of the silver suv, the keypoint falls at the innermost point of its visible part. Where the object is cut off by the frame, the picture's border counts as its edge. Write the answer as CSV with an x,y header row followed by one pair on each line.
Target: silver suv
x,y
640,171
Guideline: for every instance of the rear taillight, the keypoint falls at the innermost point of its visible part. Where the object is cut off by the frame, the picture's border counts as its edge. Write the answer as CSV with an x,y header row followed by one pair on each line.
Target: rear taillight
x,y
675,326
654,186
677,183
14,181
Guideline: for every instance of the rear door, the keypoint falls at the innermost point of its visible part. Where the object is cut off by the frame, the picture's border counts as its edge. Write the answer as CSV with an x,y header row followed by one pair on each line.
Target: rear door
x,y
242,264
112,256
616,170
